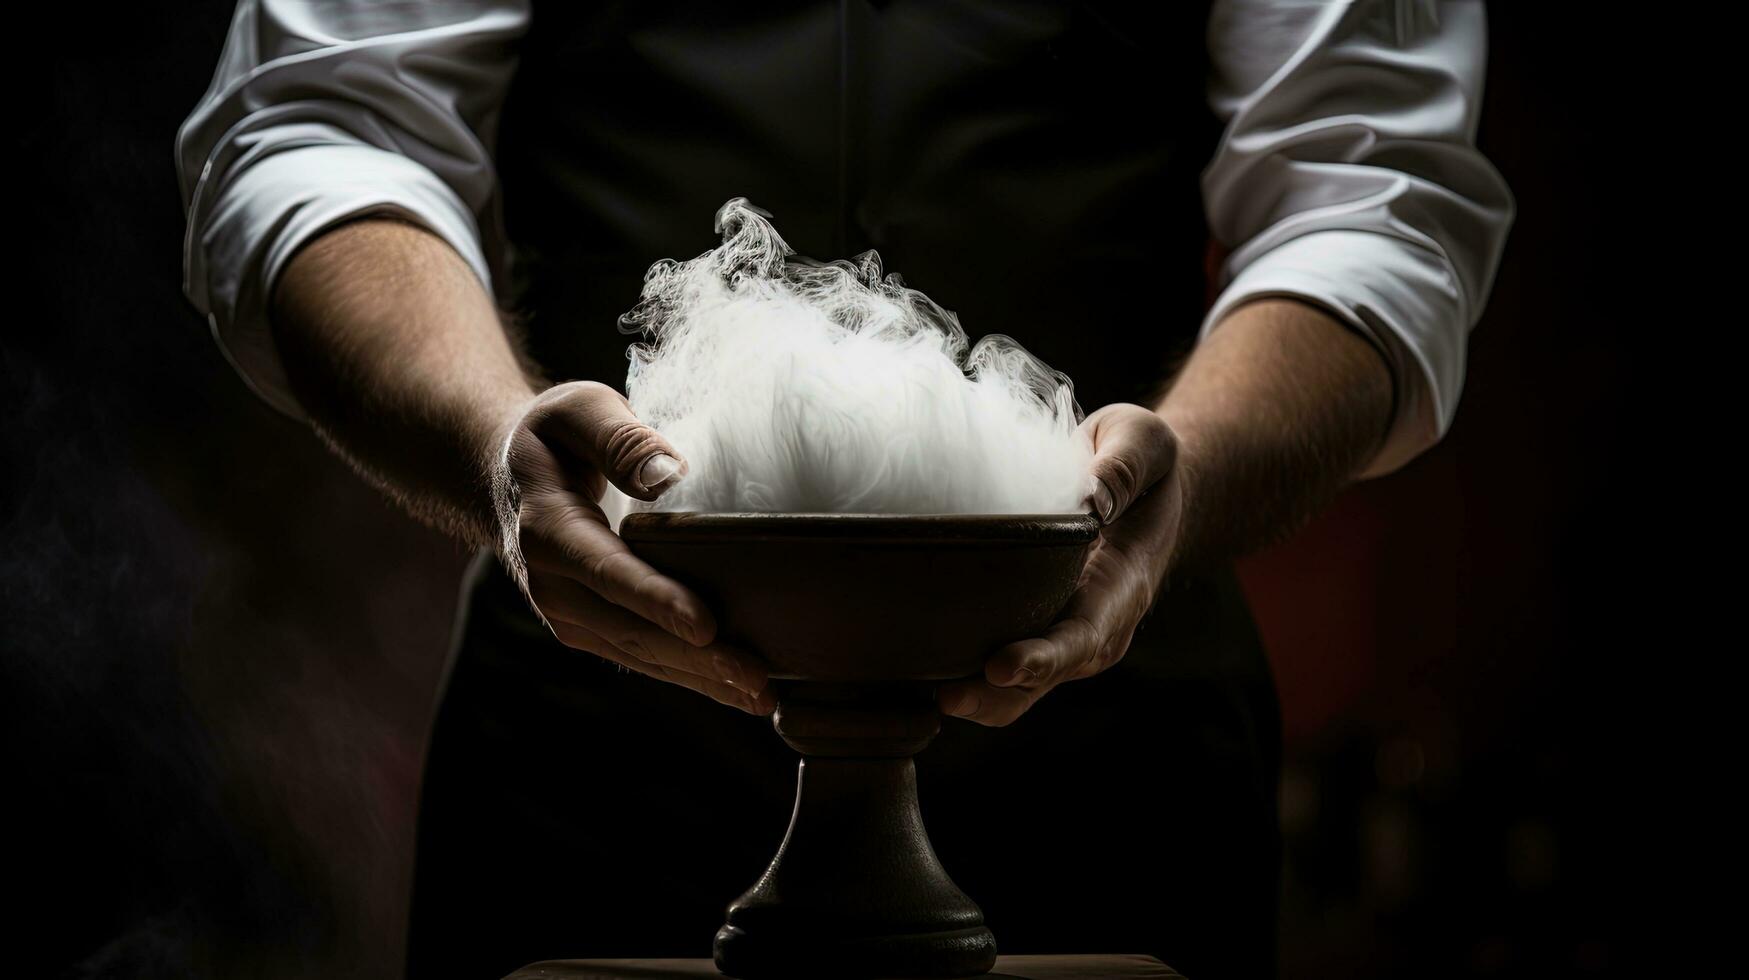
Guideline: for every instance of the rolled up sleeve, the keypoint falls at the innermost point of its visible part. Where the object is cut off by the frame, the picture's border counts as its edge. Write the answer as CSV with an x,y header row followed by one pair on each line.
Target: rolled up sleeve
x,y
320,113
1348,177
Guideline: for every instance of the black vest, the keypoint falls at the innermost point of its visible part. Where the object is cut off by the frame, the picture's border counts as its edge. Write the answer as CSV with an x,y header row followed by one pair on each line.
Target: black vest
x,y
1031,166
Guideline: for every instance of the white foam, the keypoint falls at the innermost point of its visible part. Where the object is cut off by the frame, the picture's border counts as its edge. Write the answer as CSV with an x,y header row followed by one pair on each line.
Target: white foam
x,y
799,387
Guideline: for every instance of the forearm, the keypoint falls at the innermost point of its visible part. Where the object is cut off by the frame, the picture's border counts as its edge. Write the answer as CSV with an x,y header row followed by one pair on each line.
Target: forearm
x,y
1278,409
396,352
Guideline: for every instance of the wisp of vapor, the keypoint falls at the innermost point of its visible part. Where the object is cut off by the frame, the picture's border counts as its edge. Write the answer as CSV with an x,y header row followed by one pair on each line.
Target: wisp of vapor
x,y
796,386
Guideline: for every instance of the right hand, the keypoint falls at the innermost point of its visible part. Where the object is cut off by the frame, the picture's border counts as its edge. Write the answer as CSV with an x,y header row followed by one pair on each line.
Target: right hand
x,y
595,594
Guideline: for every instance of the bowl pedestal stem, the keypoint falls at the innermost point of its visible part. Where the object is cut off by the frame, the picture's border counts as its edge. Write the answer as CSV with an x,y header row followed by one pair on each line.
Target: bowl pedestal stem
x,y
855,889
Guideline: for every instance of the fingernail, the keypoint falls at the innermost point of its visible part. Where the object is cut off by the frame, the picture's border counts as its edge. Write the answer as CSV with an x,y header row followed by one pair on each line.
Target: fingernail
x,y
687,629
962,704
1021,677
657,470
1102,501
730,673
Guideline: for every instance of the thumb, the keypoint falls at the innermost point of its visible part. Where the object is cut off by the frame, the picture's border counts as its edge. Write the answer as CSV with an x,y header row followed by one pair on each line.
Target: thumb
x,y
1133,449
595,423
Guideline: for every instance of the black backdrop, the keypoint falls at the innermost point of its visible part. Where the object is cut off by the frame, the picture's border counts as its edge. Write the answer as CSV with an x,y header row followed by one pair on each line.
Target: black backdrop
x,y
219,649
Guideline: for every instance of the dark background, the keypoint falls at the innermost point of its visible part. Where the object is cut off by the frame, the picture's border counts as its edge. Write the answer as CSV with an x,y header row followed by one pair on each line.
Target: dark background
x,y
219,650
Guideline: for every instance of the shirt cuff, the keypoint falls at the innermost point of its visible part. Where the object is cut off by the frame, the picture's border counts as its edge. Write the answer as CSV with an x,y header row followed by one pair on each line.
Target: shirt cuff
x,y
1401,296
265,213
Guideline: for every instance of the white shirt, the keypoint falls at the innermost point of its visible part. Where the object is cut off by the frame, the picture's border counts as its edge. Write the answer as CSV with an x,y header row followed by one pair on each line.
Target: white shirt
x,y
1347,173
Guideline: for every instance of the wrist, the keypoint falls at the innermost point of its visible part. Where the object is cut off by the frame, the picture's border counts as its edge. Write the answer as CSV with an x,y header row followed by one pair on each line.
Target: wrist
x,y
1194,471
508,453
501,503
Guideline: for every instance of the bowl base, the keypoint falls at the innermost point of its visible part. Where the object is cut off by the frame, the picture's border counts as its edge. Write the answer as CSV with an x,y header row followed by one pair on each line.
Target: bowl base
x,y
855,889
959,953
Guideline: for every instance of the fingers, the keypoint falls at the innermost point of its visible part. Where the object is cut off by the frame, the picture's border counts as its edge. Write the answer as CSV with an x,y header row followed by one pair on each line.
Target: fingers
x,y
1021,673
596,594
583,638
976,700
568,536
594,422
1092,633
565,600
1054,657
562,528
1133,450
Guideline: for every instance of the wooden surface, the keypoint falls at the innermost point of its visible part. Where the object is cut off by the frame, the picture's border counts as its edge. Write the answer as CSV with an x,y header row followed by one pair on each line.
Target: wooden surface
x,y
1118,967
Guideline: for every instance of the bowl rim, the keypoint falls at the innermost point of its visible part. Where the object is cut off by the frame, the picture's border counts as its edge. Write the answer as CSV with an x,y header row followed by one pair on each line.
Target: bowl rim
x,y
1029,529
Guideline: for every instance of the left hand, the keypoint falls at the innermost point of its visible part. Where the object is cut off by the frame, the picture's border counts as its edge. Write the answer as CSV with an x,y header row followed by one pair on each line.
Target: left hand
x,y
1140,500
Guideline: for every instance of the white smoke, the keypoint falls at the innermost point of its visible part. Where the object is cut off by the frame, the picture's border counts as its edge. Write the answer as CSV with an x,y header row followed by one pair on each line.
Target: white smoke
x,y
792,386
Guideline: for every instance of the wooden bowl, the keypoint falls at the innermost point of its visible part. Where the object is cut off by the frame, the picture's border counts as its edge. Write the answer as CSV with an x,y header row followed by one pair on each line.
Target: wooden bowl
x,y
858,617
870,597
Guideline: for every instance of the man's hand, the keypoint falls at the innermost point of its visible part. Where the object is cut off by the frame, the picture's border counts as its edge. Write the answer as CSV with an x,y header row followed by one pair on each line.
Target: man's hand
x,y
595,594
1277,409
1140,499
395,350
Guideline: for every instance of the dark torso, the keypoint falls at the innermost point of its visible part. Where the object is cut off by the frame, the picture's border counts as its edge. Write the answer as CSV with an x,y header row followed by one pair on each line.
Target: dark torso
x,y
1032,166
